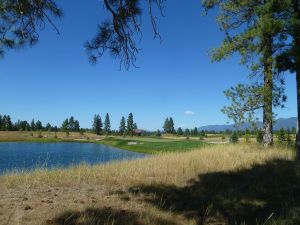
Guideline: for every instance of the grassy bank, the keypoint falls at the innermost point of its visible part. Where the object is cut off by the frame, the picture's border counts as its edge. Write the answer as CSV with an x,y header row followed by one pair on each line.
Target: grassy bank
x,y
36,136
231,184
152,145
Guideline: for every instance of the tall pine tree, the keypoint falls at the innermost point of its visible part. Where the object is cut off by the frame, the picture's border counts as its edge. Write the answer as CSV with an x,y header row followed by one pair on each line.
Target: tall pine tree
x,y
107,128
122,128
130,124
252,29
97,124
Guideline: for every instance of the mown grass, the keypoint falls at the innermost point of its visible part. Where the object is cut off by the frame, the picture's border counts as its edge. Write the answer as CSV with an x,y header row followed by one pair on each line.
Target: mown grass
x,y
219,184
152,145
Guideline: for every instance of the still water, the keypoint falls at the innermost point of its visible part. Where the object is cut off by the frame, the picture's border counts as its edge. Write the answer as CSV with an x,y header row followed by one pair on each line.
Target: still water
x,y
28,156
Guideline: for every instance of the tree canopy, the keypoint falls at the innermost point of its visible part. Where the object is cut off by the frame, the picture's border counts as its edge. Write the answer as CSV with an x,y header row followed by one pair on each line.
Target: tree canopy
x,y
21,20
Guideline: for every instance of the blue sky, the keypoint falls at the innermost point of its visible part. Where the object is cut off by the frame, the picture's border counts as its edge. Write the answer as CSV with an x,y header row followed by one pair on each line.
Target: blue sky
x,y
54,80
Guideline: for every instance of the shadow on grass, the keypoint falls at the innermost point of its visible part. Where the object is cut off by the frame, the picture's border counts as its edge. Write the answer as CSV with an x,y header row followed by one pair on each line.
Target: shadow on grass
x,y
103,216
264,194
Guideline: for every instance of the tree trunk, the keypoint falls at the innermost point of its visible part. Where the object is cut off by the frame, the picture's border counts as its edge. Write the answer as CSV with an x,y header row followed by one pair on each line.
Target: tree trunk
x,y
297,62
298,114
268,92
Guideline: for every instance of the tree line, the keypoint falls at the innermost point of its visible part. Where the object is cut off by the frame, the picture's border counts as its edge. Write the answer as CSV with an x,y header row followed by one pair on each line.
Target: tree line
x,y
169,128
6,124
126,127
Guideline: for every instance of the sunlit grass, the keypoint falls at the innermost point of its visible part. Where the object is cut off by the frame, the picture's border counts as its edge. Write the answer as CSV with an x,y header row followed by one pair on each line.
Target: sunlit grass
x,y
174,168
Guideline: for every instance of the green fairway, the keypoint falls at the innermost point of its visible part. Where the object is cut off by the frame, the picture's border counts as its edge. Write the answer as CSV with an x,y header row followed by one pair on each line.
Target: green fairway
x,y
152,145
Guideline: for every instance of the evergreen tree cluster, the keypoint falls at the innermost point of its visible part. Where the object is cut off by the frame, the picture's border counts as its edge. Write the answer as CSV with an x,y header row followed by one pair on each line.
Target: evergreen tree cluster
x,y
97,127
126,127
190,132
70,125
129,127
169,126
6,124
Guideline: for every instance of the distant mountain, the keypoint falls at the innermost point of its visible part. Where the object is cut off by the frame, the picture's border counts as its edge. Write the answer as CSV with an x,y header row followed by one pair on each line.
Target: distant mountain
x,y
286,123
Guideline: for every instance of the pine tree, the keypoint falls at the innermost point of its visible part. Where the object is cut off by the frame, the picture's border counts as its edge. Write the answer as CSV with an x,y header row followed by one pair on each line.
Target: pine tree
x,y
48,127
158,133
76,126
171,128
71,124
187,132
122,128
179,131
166,125
21,20
97,124
252,30
65,125
107,128
1,121
39,125
195,131
32,125
130,124
7,123
202,133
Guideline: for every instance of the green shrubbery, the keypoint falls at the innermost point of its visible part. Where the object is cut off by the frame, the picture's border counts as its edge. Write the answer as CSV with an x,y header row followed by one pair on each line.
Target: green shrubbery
x,y
234,138
259,136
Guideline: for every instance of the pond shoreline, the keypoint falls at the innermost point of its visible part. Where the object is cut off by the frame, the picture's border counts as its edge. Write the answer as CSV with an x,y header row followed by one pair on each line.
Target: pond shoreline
x,y
28,156
146,145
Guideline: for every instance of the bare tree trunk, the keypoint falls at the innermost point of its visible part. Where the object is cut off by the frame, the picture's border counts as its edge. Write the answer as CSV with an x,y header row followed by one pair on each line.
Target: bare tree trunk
x,y
268,92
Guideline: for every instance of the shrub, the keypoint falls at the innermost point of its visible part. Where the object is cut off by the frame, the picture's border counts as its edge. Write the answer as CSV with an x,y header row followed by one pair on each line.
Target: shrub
x,y
259,136
40,135
55,135
281,136
247,138
81,132
289,140
158,133
234,138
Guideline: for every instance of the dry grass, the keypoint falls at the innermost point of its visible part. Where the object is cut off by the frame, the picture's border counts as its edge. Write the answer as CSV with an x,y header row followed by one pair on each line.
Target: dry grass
x,y
129,192
168,169
34,136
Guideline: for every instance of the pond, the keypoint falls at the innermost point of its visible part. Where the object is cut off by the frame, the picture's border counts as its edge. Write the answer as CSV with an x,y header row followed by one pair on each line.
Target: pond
x,y
27,156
